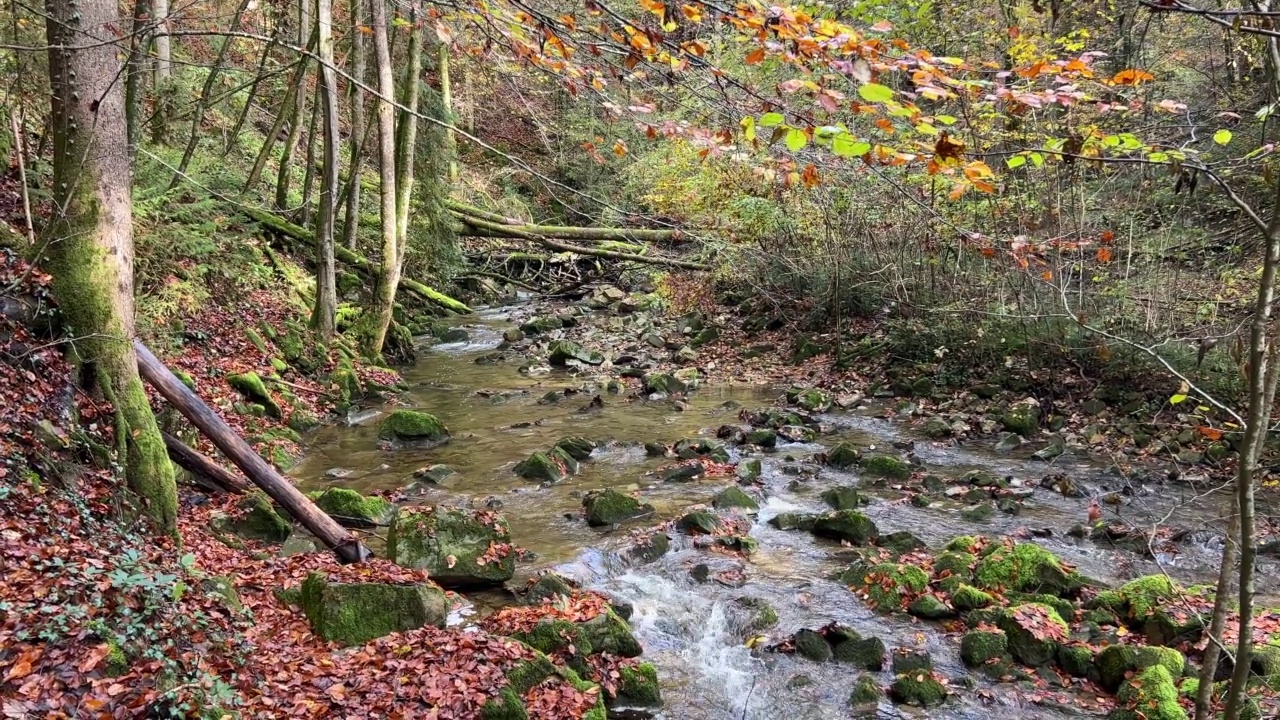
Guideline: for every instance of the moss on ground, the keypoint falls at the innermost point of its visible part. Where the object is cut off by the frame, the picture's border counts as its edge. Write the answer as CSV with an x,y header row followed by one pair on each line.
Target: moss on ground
x,y
355,613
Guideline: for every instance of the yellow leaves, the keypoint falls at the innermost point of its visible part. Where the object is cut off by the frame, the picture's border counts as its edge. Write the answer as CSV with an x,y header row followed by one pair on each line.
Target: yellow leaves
x,y
619,148
1132,77
657,7
692,13
696,48
947,150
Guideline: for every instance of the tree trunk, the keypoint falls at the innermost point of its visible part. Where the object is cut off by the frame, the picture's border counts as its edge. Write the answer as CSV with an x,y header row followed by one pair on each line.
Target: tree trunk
x,y
1218,621
309,174
164,88
351,224
326,310
206,97
90,237
389,272
216,477
407,128
253,91
135,75
286,108
299,111
446,100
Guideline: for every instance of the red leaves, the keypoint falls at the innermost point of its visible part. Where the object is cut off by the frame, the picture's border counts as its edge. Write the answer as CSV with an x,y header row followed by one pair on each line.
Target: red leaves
x,y
1035,619
582,607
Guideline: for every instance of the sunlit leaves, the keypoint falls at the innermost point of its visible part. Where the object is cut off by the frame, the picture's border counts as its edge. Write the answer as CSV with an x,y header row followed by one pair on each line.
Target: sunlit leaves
x,y
749,128
796,139
755,56
1132,77
771,119
846,145
875,93
1015,161
1222,137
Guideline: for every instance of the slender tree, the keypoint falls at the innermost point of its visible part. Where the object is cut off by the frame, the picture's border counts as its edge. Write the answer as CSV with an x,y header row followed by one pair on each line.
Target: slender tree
x,y
389,269
359,52
305,30
407,125
90,237
326,307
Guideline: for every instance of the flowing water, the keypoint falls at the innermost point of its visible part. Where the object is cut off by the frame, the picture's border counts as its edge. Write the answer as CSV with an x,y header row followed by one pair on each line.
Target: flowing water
x,y
693,631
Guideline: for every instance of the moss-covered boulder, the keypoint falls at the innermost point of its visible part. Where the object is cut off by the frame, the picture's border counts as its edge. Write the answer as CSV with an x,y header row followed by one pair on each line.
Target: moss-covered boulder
x,y
610,507
1022,418
811,646
690,448
764,438
549,467
889,586
697,522
967,597
351,509
866,691
759,614
847,526
605,633
1115,662
810,399
983,647
920,689
955,563
1034,631
1150,604
866,653
548,587
885,466
1026,567
564,351
845,497
844,455
664,384
257,519
542,325
355,613
250,385
413,426
732,497
1075,659
459,548
794,521
901,542
1151,695
578,448
638,686
651,548
929,607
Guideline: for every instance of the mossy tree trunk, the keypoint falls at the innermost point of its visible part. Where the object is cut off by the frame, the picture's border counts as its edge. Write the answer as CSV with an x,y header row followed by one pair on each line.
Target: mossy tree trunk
x,y
136,75
351,223
446,100
326,309
90,237
407,127
309,35
375,333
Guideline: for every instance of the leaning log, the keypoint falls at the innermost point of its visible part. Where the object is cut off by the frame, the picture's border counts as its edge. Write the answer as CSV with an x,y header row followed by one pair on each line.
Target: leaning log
x,y
337,538
514,231
215,476
504,227
304,237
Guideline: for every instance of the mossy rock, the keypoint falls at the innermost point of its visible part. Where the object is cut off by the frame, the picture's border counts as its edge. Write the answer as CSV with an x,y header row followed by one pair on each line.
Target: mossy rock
x,y
564,351
548,587
845,498
732,497
663,383
605,633
866,691
910,660
810,399
929,607
794,521
866,653
844,455
764,438
1075,660
885,466
351,509
956,562
1023,419
1026,567
1117,661
901,542
1065,608
760,614
301,421
355,613
847,526
982,647
698,521
812,646
549,467
651,549
748,471
451,544
523,677
542,325
610,507
967,597
638,686
1033,642
411,425
577,448
920,689
963,543
691,448
260,521
250,385
888,585
1143,596
1151,695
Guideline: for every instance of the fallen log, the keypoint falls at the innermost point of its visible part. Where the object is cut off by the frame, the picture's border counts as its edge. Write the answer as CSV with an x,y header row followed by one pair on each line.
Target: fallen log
x,y
303,236
217,477
495,228
458,206
337,538
594,252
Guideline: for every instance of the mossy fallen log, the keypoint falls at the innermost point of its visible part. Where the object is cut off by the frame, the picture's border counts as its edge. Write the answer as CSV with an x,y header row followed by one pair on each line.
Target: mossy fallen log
x,y
303,236
552,242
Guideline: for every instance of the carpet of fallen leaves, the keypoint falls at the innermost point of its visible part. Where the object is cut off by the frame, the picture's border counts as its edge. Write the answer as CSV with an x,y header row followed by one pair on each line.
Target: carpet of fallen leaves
x,y
101,618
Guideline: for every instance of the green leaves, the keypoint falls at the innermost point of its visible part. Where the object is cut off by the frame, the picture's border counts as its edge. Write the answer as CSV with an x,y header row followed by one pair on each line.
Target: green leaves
x,y
771,119
1016,161
1179,398
1222,137
876,93
845,145
749,128
796,139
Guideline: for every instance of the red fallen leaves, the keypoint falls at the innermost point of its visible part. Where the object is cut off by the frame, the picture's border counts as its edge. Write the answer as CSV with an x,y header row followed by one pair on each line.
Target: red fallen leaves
x,y
1036,620
581,607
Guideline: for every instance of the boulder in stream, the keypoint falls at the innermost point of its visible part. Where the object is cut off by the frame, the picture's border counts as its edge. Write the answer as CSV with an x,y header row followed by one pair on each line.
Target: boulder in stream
x,y
732,497
459,548
794,521
542,325
844,455
811,399
847,526
663,383
760,614
699,521
1034,631
1152,695
549,467
351,509
637,686
914,682
1026,567
886,466
982,647
355,613
411,425
888,586
610,507
563,351
845,497
866,692
1116,662
690,448
576,447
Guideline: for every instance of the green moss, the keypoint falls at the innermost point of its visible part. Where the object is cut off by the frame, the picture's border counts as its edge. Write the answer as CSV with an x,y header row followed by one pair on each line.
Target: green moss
x,y
929,607
520,679
638,685
866,691
1075,660
351,508
963,543
844,455
185,377
1022,419
301,421
563,351
1030,643
1151,695
866,653
1145,594
116,663
663,383
452,545
257,340
764,438
354,613
887,586
544,467
811,646
760,614
1065,608
698,521
967,597
980,647
918,689
1026,567
611,507
250,385
955,562
548,586
810,399
577,448
885,466
260,521
794,521
606,633
845,498
732,497
1116,661
412,425
541,325
847,526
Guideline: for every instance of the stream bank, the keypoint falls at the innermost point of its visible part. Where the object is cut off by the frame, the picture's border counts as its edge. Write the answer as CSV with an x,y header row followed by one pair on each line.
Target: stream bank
x,y
502,401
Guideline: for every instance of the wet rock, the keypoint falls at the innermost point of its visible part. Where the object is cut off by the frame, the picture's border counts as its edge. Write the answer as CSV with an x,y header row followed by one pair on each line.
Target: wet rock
x,y
542,325
351,509
576,447
760,614
929,607
810,399
920,690
911,660
455,335
1034,631
663,383
698,521
610,507
455,546
846,526
844,455
1026,567
1153,693
886,585
845,498
338,473
1022,418
797,433
956,562
513,335
866,692
1076,660
967,597
1065,486
901,542
732,497
764,438
1008,442
1116,662
605,633
564,351
794,521
1054,449
651,548
547,587
700,572
811,646
411,425
885,466
866,653
545,467
981,647
691,448
638,686
748,471
937,428
355,613
684,472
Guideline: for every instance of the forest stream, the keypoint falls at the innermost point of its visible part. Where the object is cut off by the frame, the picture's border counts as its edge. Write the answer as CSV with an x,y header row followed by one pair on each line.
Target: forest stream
x,y
692,631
